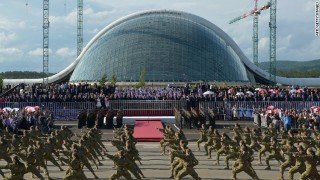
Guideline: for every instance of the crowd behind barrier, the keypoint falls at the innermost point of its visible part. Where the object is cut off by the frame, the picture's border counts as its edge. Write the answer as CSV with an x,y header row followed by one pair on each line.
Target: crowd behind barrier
x,y
16,119
84,92
225,109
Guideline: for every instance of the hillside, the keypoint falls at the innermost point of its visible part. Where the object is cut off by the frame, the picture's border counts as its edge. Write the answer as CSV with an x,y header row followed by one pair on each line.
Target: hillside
x,y
22,75
296,68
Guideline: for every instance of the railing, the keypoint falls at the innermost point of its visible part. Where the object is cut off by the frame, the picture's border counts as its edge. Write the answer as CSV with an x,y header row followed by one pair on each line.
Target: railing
x,y
299,105
60,110
148,104
70,110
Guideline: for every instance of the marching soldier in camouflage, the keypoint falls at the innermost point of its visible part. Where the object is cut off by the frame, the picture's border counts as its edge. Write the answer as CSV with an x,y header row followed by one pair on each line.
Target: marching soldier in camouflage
x,y
189,162
275,153
4,150
168,134
299,165
287,151
233,152
17,168
122,164
177,164
209,142
265,145
225,147
132,166
30,158
203,136
216,142
243,163
49,150
311,161
75,170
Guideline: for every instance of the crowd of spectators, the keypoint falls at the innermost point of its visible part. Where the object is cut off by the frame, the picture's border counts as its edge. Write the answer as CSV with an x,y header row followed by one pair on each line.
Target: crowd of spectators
x,y
18,119
84,92
289,119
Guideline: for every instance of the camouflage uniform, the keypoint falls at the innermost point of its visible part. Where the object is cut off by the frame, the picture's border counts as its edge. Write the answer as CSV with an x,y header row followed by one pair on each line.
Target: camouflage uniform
x,y
216,143
18,169
299,165
30,158
265,146
203,136
243,163
122,166
4,150
275,153
290,160
311,166
189,161
75,171
210,136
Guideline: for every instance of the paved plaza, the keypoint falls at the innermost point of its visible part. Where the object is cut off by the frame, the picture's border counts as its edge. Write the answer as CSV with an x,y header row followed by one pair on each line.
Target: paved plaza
x,y
157,166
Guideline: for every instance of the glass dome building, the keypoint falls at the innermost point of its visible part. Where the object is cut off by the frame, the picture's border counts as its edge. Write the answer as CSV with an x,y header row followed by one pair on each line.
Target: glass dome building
x,y
169,46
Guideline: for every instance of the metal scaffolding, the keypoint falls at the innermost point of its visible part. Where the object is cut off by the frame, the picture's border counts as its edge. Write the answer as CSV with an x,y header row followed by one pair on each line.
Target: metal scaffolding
x,y
255,38
273,41
79,27
45,28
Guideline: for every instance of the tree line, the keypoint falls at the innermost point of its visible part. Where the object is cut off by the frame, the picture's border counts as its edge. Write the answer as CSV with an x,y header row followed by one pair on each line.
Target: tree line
x,y
23,74
299,74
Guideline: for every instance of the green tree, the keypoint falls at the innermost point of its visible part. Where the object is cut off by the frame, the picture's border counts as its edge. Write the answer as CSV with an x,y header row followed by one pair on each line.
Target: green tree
x,y
113,80
103,80
142,82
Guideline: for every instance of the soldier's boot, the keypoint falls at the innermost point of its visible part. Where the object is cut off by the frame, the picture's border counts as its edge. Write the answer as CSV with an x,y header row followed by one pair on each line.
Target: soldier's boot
x,y
260,162
291,175
95,176
100,163
281,173
234,176
163,150
218,159
279,162
206,149
171,158
142,175
62,163
161,143
198,145
227,164
268,165
210,152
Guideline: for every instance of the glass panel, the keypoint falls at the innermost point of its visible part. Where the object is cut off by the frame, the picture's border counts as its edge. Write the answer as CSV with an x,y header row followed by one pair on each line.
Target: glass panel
x,y
168,46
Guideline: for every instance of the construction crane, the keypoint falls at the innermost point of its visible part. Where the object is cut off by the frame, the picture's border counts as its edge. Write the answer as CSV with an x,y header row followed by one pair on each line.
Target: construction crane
x,y
273,42
45,37
45,40
79,27
255,12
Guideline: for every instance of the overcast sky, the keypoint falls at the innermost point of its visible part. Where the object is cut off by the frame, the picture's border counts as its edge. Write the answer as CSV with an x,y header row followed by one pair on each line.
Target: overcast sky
x,y
21,27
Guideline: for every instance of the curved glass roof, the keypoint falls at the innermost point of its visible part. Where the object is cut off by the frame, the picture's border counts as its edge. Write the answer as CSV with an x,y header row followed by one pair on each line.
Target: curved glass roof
x,y
170,46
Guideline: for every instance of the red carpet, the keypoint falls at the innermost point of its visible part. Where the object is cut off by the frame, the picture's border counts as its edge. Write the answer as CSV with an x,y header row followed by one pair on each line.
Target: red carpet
x,y
147,131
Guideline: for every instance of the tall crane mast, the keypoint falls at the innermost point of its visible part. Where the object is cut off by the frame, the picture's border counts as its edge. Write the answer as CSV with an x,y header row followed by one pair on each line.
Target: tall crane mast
x,y
273,42
255,12
255,36
79,27
45,40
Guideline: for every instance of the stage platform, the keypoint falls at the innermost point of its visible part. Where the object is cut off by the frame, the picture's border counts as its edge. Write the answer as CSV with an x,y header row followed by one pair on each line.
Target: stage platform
x,y
148,130
131,119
